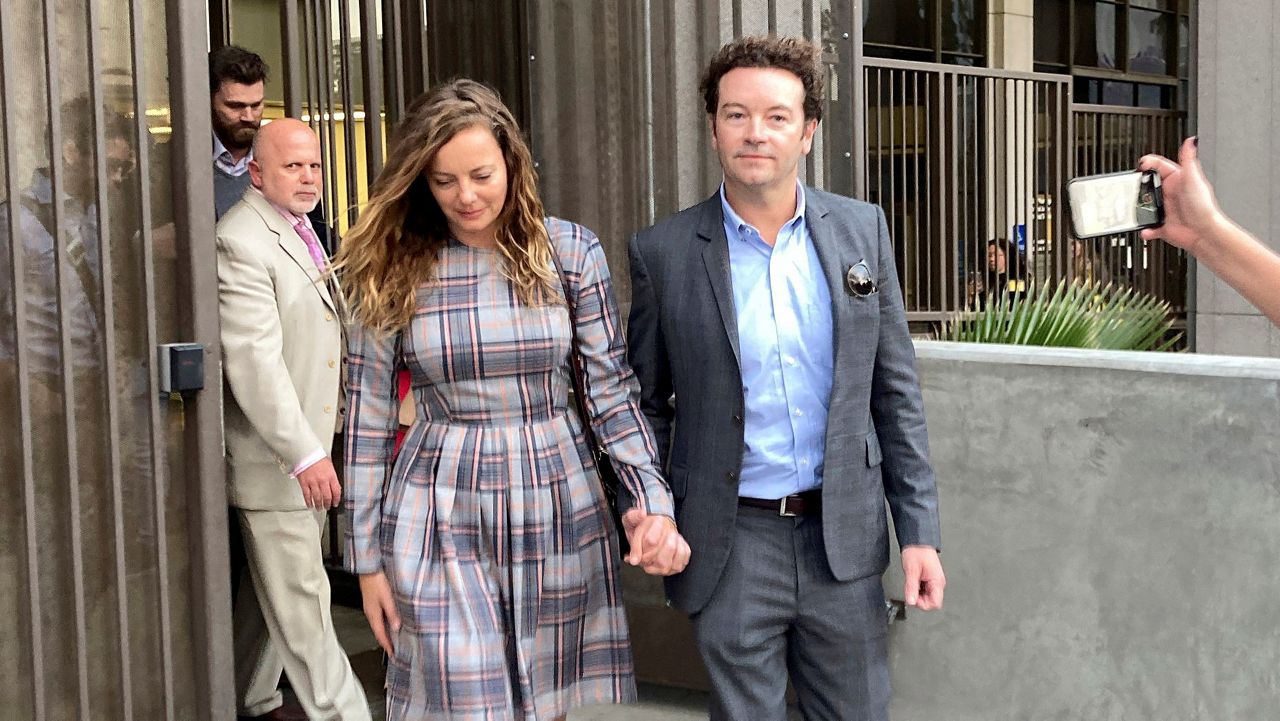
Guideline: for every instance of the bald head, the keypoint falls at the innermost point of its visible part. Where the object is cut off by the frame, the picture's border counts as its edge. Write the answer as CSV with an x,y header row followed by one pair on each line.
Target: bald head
x,y
286,165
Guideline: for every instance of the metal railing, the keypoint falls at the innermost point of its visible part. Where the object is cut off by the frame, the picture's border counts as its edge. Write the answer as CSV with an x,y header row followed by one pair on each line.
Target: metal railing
x,y
965,158
1110,139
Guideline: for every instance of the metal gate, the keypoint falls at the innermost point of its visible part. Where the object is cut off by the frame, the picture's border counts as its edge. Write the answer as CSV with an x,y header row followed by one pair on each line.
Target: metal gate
x,y
112,533
959,157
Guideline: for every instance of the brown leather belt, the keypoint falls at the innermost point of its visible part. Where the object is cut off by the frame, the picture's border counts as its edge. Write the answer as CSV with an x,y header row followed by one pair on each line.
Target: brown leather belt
x,y
808,503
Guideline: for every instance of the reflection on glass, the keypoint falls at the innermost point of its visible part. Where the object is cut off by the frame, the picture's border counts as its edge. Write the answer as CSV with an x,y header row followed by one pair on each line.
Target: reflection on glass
x,y
962,23
1152,96
1117,93
1095,42
1184,47
1050,19
1149,42
903,23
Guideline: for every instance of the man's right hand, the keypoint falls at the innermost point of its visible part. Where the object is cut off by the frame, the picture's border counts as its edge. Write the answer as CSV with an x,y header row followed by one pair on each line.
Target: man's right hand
x,y
380,608
320,488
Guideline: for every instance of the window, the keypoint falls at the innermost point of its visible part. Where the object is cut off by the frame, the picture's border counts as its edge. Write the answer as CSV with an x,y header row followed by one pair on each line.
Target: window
x,y
1122,52
940,31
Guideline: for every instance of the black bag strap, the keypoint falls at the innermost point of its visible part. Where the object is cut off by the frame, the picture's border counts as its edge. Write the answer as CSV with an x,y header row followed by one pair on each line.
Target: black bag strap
x,y
577,367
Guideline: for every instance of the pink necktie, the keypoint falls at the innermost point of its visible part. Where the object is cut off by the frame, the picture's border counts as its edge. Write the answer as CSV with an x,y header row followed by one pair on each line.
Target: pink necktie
x,y
313,244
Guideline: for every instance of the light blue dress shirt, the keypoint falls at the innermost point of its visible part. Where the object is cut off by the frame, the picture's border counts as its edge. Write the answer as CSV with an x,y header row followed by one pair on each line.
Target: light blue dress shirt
x,y
229,165
783,310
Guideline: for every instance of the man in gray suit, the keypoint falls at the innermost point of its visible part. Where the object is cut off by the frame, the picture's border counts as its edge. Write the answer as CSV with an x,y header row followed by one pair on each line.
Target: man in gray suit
x,y
772,313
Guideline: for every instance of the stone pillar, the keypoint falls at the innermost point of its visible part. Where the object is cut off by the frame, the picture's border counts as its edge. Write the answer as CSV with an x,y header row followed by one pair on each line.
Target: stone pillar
x,y
1009,34
1238,98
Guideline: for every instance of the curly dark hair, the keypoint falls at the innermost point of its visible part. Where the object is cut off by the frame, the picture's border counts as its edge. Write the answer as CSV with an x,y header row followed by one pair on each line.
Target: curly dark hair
x,y
795,55
234,63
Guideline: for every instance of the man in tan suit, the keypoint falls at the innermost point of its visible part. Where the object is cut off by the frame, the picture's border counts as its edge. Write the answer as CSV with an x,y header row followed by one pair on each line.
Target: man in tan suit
x,y
282,359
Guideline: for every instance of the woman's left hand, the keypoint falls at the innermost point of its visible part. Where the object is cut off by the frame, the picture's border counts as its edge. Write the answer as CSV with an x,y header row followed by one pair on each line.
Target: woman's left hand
x,y
656,544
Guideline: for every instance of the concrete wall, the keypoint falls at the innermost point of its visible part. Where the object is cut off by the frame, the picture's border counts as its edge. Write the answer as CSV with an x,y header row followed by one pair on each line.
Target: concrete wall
x,y
1110,528
1239,103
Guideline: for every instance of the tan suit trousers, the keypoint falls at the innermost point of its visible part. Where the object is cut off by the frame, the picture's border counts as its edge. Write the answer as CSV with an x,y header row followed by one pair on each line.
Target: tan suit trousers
x,y
283,622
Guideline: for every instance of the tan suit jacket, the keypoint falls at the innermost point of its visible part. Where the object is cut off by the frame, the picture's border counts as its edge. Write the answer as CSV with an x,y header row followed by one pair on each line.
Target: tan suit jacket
x,y
281,354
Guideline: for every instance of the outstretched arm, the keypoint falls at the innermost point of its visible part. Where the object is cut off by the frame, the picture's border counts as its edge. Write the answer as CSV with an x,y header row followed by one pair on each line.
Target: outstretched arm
x,y
1194,222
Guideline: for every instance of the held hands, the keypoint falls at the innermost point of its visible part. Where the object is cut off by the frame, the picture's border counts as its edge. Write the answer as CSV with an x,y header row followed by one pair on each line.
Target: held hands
x,y
320,488
380,608
656,545
1191,214
925,580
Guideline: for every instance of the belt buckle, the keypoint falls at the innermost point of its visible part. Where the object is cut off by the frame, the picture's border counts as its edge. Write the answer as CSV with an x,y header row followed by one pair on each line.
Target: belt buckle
x,y
782,508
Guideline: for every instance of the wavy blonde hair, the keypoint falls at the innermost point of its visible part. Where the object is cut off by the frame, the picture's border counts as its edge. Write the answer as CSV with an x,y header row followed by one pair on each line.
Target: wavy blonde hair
x,y
396,243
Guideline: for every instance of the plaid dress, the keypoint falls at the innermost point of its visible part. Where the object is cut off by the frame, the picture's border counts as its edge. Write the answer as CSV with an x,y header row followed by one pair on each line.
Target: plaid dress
x,y
491,524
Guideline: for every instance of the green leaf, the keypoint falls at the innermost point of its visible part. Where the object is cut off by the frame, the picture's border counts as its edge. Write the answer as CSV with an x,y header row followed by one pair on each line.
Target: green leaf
x,y
1073,315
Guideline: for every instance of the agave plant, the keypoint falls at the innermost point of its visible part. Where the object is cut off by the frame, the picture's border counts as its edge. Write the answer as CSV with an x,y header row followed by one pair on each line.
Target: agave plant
x,y
1072,315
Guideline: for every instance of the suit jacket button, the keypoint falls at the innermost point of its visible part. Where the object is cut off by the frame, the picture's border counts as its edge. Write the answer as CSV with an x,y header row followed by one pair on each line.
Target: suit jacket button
x,y
328,409
328,316
732,475
332,364
737,419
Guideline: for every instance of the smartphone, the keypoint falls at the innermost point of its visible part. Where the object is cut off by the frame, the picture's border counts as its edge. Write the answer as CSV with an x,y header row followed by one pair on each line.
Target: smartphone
x,y
1115,203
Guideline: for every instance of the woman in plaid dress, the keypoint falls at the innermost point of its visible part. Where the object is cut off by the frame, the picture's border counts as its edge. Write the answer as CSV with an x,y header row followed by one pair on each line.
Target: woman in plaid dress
x,y
485,549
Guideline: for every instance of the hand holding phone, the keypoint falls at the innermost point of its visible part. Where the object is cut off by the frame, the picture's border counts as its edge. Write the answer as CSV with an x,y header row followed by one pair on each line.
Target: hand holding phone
x,y
1115,203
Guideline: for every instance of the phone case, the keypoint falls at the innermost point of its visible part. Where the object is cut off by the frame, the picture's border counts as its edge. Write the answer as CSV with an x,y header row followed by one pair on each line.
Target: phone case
x,y
1111,215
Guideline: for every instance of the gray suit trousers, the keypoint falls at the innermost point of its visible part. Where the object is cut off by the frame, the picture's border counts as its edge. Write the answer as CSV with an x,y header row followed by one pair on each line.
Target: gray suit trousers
x,y
778,611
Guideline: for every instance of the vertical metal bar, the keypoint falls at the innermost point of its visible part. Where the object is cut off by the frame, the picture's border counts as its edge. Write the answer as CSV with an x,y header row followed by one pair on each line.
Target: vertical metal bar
x,y
880,111
922,244
325,38
1065,127
204,473
892,195
159,469
348,113
1002,161
393,60
1021,178
372,88
292,56
1018,199
310,72
910,180
853,50
219,23
1024,196
17,276
62,272
980,201
949,135
648,110
1043,145
110,365
423,21
936,186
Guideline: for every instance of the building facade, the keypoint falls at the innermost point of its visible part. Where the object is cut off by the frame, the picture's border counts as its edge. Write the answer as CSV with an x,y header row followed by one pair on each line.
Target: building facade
x,y
962,117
